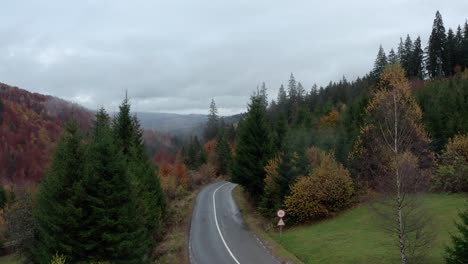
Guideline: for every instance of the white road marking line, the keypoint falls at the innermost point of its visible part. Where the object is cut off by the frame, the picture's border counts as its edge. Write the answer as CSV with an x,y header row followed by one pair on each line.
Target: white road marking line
x,y
217,225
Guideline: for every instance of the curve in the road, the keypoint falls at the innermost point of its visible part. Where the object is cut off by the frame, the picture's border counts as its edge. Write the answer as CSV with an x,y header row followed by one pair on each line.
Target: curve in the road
x,y
217,225
218,233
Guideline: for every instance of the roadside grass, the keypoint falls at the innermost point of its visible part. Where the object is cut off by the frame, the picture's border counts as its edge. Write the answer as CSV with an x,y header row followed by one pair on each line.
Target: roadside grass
x,y
262,228
10,259
355,237
173,247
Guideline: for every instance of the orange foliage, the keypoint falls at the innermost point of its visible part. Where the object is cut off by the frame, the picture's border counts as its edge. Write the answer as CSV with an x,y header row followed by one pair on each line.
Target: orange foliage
x,y
30,124
329,120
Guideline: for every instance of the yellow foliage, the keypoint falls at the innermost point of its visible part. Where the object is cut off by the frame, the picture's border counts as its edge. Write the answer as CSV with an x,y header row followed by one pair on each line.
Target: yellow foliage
x,y
271,169
327,190
329,120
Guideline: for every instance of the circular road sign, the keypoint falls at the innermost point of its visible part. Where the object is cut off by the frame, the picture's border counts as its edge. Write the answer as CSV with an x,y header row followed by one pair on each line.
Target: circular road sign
x,y
280,213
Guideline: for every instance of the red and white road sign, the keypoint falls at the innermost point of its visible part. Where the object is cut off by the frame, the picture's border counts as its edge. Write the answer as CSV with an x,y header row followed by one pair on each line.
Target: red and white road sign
x,y
281,222
281,213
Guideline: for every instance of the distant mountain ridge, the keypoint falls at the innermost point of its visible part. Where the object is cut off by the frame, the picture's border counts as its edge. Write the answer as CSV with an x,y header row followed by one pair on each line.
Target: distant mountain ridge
x,y
177,124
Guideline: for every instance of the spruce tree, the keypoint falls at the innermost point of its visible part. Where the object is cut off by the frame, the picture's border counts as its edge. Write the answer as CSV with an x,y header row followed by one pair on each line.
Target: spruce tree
x,y
392,57
451,52
253,149
114,231
142,174
459,48
212,125
436,57
379,64
458,253
263,94
123,128
406,55
401,50
59,213
417,60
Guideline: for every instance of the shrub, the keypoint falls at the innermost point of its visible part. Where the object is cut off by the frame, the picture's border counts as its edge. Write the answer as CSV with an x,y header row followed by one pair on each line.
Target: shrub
x,y
271,199
327,190
58,259
452,172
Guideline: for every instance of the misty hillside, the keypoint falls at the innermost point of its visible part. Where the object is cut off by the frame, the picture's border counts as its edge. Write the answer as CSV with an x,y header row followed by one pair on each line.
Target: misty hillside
x,y
177,124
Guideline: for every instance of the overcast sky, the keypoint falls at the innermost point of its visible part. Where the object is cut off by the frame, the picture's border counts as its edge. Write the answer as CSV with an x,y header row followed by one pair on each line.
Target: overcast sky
x,y
174,56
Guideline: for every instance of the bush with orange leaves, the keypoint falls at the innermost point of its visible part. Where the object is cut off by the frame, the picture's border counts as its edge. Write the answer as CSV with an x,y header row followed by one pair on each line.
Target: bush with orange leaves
x,y
327,190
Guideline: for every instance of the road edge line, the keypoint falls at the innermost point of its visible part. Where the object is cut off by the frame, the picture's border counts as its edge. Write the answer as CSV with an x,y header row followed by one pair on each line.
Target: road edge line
x,y
217,225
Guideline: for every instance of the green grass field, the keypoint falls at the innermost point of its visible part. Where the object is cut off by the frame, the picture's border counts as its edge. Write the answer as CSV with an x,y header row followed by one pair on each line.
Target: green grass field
x,y
355,237
11,259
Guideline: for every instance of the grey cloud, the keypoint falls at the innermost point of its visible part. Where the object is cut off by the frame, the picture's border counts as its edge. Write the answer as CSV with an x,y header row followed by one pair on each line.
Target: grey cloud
x,y
175,56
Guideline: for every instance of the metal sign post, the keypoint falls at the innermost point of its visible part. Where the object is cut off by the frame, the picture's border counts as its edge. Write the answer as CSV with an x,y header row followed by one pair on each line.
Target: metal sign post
x,y
281,213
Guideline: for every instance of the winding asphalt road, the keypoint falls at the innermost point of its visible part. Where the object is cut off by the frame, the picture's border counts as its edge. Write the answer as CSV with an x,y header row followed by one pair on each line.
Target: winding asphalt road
x,y
218,234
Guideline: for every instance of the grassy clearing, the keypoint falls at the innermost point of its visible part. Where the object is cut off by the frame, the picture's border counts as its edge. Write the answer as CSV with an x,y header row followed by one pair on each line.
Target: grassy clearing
x,y
261,227
10,259
354,236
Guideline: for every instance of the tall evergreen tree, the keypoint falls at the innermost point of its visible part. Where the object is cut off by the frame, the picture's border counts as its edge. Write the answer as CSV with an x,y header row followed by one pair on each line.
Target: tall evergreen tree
x,y
145,183
416,69
436,57
401,50
465,45
292,88
59,212
263,94
459,48
392,57
123,128
458,253
407,54
224,154
379,64
451,52
253,149
212,126
115,232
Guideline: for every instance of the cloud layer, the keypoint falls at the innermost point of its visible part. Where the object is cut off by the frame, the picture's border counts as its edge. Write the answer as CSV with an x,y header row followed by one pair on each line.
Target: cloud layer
x,y
174,56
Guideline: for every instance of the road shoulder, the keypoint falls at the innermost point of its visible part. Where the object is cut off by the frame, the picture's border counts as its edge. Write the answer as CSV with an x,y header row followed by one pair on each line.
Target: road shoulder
x,y
255,222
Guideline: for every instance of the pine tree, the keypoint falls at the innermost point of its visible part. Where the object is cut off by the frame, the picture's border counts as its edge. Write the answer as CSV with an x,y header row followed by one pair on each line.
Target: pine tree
x,y
212,126
114,231
392,57
416,69
253,149
59,213
436,57
458,253
379,64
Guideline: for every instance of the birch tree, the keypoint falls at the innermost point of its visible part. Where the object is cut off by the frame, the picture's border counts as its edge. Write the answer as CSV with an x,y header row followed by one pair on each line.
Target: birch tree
x,y
398,145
